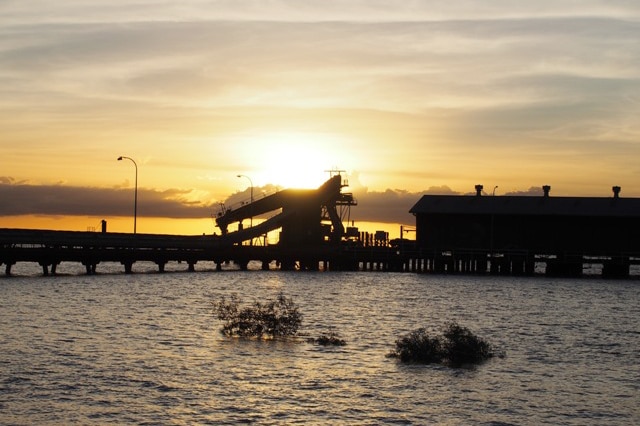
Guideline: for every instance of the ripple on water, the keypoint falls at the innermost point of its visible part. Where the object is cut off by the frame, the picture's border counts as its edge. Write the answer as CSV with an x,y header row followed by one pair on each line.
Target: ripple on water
x,y
145,349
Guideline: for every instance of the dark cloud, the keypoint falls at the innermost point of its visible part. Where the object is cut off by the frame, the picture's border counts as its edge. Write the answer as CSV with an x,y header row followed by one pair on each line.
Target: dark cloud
x,y
533,191
391,206
23,199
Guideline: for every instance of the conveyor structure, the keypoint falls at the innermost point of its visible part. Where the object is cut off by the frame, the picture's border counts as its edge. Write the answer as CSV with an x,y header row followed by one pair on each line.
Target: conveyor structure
x,y
307,217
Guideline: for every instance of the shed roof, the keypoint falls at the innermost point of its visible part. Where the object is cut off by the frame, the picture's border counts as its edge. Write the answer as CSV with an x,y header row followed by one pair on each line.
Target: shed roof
x,y
527,205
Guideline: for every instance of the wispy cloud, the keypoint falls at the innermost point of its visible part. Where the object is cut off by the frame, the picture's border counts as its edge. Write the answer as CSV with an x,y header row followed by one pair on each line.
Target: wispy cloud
x,y
428,93
307,10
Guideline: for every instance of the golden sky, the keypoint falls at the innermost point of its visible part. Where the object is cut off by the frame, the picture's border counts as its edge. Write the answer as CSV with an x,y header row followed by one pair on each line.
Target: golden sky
x,y
406,97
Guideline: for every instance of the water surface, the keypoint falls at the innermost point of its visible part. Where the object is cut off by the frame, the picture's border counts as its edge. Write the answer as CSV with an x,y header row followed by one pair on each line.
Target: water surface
x,y
146,349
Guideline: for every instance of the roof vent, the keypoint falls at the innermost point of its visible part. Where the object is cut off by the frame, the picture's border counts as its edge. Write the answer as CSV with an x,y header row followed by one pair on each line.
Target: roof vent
x,y
479,190
546,189
616,191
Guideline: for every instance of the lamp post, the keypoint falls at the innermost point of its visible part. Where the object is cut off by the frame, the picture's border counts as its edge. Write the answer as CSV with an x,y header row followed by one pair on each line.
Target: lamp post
x,y
135,197
251,187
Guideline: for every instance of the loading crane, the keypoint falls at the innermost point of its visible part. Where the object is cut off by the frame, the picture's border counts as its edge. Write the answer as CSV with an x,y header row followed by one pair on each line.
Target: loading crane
x,y
307,217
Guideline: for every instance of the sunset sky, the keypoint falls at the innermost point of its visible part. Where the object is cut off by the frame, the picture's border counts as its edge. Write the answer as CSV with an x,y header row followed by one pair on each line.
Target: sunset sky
x,y
407,97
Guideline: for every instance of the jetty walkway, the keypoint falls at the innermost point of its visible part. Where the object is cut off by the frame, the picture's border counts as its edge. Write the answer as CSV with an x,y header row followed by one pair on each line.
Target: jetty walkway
x,y
49,248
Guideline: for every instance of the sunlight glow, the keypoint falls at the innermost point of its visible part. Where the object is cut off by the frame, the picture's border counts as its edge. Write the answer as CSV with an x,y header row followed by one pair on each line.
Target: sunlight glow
x,y
296,160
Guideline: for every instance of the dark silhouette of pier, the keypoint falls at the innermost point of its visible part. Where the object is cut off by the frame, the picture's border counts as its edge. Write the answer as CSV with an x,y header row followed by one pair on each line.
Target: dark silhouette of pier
x,y
501,235
50,248
312,237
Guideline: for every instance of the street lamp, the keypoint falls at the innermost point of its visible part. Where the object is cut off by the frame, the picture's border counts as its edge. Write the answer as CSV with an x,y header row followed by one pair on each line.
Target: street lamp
x,y
251,186
135,198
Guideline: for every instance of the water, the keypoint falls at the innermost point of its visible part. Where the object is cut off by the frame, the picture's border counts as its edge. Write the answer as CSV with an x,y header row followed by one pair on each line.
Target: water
x,y
145,349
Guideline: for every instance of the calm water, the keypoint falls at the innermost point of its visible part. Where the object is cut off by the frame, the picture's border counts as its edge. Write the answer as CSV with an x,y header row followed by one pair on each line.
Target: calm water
x,y
145,349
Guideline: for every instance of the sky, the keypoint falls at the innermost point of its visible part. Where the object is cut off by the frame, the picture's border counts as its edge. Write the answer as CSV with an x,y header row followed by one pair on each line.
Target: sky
x,y
407,98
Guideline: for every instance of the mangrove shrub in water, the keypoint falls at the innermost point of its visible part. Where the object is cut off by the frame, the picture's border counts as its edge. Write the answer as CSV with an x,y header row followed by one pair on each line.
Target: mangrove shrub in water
x,y
279,317
328,339
456,346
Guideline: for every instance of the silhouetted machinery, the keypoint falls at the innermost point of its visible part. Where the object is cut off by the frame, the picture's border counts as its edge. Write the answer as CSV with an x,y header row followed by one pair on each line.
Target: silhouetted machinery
x,y
307,216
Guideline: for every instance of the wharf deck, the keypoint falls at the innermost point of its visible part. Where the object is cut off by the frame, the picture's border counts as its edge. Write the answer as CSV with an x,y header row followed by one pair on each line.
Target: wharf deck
x,y
50,248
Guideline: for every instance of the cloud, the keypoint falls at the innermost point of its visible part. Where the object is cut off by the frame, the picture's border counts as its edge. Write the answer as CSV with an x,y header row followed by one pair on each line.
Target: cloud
x,y
303,10
461,89
390,206
24,199
534,191
388,65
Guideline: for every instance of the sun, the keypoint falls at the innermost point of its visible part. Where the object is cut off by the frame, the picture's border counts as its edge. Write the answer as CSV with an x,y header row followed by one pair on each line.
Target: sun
x,y
296,160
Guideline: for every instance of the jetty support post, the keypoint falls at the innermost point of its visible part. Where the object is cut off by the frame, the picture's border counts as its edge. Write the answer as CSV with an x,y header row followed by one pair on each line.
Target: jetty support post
x,y
7,268
90,267
616,267
243,264
45,267
128,264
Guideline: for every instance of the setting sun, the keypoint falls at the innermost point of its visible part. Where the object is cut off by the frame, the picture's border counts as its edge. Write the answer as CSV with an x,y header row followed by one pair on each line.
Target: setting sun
x,y
296,160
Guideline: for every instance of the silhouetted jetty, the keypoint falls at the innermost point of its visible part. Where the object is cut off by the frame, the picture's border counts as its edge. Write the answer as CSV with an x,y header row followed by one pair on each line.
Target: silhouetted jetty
x,y
50,248
470,234
312,237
